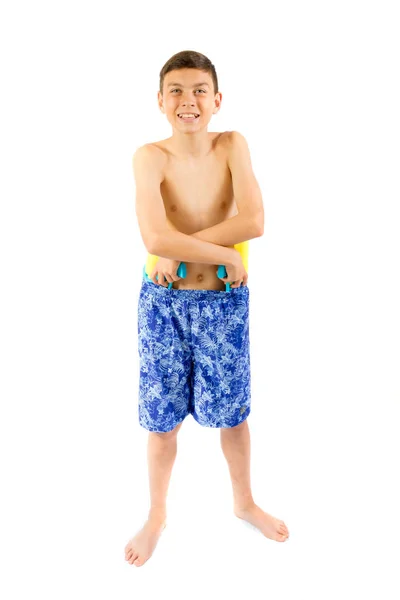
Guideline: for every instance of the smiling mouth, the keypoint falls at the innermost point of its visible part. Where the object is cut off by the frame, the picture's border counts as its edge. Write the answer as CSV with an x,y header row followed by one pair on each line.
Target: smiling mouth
x,y
184,116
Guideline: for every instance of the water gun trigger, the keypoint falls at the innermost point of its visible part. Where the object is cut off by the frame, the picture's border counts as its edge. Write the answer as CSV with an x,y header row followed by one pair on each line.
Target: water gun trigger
x,y
222,274
181,272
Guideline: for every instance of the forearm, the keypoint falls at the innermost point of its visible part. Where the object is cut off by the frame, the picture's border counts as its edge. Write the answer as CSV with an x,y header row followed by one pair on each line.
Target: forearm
x,y
186,248
239,228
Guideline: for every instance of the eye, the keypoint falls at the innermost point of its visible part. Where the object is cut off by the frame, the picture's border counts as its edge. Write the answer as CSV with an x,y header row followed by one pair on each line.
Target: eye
x,y
198,90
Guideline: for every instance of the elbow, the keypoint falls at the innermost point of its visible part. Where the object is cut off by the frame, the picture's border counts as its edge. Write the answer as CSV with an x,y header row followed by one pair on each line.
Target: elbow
x,y
259,226
258,230
154,244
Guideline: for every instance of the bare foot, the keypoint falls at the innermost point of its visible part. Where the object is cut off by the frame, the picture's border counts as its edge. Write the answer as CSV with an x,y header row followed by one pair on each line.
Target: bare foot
x,y
268,525
139,549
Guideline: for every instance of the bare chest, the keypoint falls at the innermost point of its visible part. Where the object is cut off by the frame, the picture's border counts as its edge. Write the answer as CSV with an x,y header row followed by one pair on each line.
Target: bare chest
x,y
198,194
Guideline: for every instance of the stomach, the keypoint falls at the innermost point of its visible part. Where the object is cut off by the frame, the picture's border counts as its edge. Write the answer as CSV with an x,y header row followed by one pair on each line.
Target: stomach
x,y
200,276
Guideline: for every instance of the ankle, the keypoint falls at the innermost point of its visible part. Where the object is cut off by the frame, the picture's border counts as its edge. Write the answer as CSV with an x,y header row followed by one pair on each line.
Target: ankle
x,y
243,505
157,514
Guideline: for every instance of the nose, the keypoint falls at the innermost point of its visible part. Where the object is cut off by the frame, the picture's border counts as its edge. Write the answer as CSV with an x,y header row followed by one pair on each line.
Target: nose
x,y
187,100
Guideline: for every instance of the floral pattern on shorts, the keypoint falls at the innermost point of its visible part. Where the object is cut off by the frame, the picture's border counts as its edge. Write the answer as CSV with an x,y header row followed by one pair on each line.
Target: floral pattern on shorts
x,y
194,356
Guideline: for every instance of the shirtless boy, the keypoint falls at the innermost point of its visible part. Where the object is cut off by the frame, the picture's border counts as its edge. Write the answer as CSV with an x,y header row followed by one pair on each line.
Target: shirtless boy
x,y
196,197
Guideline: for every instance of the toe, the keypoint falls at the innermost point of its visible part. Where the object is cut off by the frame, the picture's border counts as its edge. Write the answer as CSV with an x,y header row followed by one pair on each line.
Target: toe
x,y
138,562
128,550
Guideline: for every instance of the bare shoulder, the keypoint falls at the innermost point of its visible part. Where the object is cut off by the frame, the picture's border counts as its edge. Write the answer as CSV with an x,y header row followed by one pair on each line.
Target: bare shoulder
x,y
238,151
221,138
148,157
237,140
234,144
151,150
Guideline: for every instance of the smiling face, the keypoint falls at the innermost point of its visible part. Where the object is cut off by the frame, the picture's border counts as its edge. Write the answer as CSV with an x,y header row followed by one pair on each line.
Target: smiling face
x,y
190,92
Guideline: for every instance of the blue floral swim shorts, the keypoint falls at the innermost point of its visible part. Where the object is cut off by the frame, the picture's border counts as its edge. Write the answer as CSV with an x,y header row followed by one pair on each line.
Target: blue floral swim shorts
x,y
194,356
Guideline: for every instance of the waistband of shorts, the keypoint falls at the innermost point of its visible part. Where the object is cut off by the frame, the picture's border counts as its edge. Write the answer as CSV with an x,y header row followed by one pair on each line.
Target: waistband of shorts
x,y
160,290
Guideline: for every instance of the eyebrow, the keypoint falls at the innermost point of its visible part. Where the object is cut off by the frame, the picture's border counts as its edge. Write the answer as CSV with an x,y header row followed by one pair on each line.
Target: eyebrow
x,y
194,85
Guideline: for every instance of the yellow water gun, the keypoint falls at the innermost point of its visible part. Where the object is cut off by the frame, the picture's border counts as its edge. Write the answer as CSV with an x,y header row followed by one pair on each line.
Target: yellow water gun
x,y
242,248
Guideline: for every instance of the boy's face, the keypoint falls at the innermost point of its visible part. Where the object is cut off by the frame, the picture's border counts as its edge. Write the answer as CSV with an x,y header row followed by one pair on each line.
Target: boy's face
x,y
183,94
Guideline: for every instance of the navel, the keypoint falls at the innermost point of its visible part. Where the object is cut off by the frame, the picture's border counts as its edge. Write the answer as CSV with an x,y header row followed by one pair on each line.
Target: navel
x,y
173,207
223,204
199,277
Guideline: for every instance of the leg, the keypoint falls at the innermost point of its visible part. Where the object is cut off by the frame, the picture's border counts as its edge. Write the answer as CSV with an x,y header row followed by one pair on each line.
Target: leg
x,y
161,452
235,443
164,393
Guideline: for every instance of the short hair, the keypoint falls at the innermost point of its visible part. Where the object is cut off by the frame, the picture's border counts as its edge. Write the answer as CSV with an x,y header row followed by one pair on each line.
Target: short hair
x,y
189,59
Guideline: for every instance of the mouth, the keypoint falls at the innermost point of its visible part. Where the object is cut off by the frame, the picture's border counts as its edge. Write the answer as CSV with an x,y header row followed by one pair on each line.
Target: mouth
x,y
188,117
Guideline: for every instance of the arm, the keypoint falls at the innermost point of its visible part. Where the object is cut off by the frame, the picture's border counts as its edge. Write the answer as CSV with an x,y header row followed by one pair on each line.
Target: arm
x,y
249,223
215,234
186,248
148,167
239,228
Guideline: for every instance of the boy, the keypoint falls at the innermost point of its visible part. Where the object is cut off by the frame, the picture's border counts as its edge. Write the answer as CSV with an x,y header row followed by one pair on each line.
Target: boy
x,y
196,198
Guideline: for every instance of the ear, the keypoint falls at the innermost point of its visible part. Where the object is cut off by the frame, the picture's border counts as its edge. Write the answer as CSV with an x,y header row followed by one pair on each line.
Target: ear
x,y
218,100
160,101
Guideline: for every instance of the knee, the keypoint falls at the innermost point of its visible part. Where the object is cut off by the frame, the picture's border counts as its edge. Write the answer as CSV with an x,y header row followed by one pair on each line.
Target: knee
x,y
237,429
167,436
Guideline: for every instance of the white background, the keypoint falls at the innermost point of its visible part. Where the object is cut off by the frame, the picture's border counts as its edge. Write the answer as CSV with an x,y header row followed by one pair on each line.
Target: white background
x,y
314,87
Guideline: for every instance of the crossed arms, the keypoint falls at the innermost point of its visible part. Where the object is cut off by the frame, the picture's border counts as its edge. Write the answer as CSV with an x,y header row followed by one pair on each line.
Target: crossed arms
x,y
211,245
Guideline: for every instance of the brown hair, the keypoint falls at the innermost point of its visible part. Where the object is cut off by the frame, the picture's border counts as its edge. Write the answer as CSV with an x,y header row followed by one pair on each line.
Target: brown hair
x,y
189,59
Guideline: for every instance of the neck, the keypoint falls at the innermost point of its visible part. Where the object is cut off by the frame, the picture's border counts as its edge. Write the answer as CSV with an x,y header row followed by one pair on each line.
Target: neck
x,y
190,145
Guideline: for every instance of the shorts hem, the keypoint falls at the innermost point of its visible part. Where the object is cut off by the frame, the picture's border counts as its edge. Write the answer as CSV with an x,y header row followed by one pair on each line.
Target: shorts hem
x,y
230,426
154,430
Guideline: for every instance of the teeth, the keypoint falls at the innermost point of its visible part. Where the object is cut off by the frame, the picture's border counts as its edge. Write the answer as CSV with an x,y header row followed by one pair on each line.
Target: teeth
x,y
187,115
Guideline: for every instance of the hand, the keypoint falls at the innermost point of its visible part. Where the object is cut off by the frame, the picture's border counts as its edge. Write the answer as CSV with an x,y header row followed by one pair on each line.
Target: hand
x,y
165,267
236,273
